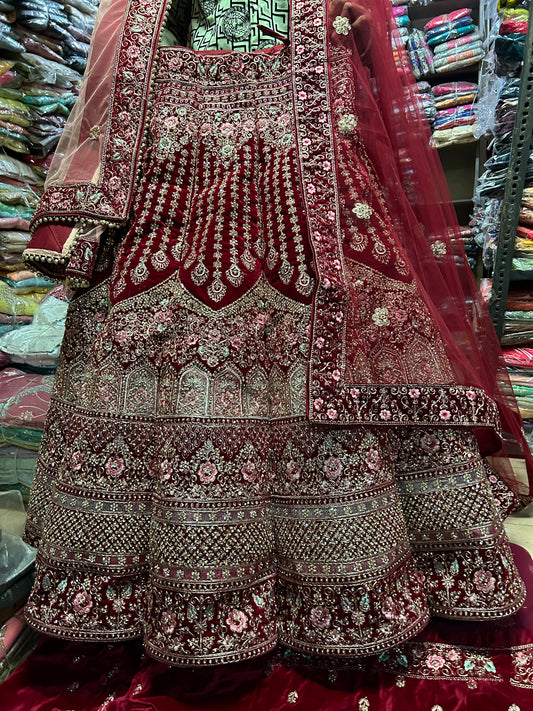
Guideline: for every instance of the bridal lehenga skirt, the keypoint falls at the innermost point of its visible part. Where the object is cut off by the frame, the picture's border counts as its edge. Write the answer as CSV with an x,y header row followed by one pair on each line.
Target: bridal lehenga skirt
x,y
182,495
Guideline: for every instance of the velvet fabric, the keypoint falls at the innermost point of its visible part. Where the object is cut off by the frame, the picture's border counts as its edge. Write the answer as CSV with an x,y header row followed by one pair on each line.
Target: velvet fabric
x,y
451,666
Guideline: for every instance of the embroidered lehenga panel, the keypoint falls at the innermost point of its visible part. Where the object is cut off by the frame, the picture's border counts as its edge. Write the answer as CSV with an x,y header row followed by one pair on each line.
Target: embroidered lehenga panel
x,y
182,492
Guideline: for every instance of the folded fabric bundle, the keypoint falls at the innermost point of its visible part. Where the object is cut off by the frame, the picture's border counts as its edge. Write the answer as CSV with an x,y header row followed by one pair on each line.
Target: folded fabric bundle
x,y
17,304
24,401
419,53
451,32
11,318
14,223
15,241
513,26
457,134
447,101
521,357
453,87
509,52
458,60
460,42
453,120
448,19
526,216
38,344
17,468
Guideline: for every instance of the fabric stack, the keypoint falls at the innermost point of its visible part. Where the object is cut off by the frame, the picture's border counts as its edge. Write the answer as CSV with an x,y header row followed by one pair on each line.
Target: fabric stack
x,y
43,52
455,41
426,100
510,44
455,113
519,362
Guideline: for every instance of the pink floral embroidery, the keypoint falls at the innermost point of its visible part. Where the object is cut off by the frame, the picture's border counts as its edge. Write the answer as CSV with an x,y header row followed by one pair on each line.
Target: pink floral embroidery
x,y
429,443
373,459
445,415
336,375
332,413
82,602
293,470
434,661
249,471
453,655
168,622
321,617
207,472
76,461
165,470
237,621
115,467
319,343
332,467
470,394
355,393
521,658
414,393
484,581
318,403
385,415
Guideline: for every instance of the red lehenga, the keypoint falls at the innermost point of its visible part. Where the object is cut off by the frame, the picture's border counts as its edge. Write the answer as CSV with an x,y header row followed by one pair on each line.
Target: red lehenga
x,y
267,419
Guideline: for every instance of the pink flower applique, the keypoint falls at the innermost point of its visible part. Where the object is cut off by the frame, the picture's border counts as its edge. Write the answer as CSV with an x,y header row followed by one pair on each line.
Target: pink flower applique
x,y
484,581
114,467
320,617
237,621
207,472
82,602
168,622
332,467
436,662
249,471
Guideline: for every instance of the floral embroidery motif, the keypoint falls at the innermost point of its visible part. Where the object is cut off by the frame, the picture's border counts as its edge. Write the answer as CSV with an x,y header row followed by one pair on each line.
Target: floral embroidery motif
x,y
347,124
362,211
381,316
342,25
438,248
292,697
95,132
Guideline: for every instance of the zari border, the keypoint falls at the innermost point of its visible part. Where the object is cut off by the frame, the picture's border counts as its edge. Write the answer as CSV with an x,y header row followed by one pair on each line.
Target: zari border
x,y
109,200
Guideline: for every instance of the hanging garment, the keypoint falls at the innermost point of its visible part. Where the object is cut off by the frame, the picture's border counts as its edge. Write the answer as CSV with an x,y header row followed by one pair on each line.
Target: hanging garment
x,y
262,428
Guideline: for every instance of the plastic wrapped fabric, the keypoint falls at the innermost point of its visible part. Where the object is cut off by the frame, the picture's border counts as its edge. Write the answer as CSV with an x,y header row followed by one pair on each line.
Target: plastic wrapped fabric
x,y
17,467
15,169
449,136
43,71
38,344
449,34
33,285
24,401
9,40
14,239
16,559
455,44
458,99
450,18
459,60
453,87
17,304
14,111
509,53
